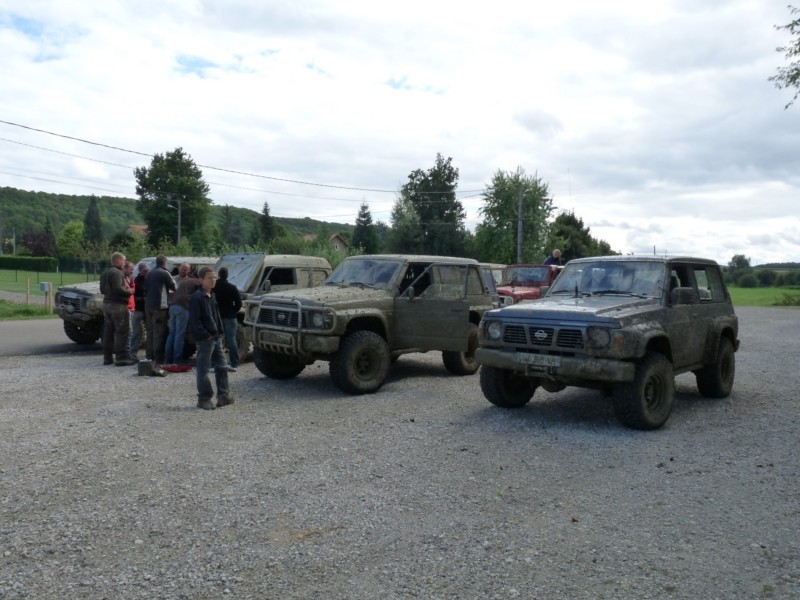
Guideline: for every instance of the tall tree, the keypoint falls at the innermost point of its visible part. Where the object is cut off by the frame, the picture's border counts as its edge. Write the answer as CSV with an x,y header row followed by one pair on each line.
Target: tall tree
x,y
496,238
789,76
266,225
92,224
70,242
39,243
172,190
364,234
432,194
574,239
406,235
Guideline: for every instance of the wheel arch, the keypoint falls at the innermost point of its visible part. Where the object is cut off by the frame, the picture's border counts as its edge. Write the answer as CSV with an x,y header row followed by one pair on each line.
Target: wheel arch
x,y
371,323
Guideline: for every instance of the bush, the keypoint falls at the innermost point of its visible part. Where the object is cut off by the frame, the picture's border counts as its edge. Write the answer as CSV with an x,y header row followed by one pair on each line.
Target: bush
x,y
766,277
748,280
47,264
789,300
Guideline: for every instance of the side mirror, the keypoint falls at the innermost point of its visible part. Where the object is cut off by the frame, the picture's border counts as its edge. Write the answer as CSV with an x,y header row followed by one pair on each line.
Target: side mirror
x,y
266,286
683,295
410,292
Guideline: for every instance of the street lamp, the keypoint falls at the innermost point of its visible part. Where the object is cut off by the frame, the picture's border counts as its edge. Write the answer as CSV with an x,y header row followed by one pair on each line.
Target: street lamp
x,y
178,208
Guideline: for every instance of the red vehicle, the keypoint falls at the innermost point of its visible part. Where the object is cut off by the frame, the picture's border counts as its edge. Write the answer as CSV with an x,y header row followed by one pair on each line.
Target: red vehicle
x,y
524,282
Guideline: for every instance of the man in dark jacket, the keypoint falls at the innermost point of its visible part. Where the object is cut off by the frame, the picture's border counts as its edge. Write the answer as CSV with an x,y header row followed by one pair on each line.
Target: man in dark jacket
x,y
138,318
158,287
229,302
554,258
117,318
205,324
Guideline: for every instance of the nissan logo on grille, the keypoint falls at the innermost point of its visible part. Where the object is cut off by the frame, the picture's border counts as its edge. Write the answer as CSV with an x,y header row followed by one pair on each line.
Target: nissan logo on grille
x,y
540,335
281,316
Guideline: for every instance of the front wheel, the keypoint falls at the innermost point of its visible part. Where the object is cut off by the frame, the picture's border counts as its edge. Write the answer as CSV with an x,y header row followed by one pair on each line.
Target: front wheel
x,y
361,364
463,363
277,366
82,335
506,389
716,380
243,342
646,402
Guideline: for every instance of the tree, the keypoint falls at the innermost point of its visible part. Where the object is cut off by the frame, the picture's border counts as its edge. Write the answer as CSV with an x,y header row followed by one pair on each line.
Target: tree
x,y
789,76
92,225
496,236
406,235
364,234
266,225
172,190
39,243
739,261
70,243
574,239
432,194
766,277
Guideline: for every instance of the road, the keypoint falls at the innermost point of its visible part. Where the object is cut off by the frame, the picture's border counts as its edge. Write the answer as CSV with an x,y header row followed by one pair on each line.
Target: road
x,y
39,336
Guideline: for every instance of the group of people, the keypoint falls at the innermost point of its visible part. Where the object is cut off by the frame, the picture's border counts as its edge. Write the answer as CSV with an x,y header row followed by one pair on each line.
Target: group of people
x,y
204,304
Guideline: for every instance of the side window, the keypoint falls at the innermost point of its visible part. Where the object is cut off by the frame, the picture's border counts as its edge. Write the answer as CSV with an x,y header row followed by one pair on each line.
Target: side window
x,y
474,285
709,284
417,276
448,282
317,277
282,276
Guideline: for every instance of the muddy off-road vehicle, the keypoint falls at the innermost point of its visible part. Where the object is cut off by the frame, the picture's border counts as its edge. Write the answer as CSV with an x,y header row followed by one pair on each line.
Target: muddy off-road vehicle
x,y
622,324
367,313
255,273
526,282
80,306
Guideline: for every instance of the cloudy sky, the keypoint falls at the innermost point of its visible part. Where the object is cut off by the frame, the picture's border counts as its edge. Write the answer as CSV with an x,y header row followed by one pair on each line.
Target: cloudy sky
x,y
652,121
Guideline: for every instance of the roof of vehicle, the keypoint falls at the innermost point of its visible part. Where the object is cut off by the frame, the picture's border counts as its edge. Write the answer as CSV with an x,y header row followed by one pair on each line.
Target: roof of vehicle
x,y
176,260
416,258
294,260
645,257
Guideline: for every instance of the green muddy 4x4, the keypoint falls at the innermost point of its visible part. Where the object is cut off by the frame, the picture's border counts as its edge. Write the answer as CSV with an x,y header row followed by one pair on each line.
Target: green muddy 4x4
x,y
368,312
80,306
623,324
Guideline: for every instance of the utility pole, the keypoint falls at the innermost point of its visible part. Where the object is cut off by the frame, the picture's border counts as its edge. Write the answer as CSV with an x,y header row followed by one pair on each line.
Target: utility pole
x,y
519,223
179,221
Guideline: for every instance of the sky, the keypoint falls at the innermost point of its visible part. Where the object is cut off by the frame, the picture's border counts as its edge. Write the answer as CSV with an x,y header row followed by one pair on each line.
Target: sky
x,y
653,122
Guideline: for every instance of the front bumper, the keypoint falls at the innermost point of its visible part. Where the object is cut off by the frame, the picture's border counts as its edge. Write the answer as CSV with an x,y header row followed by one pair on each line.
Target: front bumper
x,y
570,370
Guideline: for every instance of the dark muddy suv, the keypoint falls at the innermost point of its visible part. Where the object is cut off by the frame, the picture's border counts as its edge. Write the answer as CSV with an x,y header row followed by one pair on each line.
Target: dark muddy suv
x,y
623,324
368,312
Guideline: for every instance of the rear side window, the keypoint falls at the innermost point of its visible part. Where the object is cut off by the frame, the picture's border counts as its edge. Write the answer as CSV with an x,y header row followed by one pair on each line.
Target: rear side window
x,y
709,284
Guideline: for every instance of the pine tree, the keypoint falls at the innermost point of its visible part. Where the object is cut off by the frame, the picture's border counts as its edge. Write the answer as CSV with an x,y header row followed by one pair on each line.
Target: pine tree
x,y
364,234
92,225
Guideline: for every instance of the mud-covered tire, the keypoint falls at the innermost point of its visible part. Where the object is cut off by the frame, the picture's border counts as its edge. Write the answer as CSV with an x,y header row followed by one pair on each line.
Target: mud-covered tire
x,y
243,343
361,364
82,335
716,380
463,363
646,402
277,366
506,389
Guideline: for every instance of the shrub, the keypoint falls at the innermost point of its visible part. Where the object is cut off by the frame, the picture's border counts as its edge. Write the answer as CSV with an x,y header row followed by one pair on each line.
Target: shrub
x,y
748,280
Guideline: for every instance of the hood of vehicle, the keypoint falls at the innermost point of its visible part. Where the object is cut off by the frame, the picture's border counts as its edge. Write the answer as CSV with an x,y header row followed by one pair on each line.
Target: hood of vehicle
x,y
588,308
333,296
91,288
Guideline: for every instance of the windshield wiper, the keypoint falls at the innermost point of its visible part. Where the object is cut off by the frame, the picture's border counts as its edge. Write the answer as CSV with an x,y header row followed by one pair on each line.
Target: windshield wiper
x,y
620,292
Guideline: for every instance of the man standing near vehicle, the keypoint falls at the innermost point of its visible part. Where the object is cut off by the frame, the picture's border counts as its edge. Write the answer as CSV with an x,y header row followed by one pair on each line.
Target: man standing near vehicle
x,y
117,318
158,285
205,324
229,301
554,258
138,319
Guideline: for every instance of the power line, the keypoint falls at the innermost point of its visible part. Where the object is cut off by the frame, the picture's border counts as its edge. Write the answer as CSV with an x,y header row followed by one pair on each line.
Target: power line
x,y
221,169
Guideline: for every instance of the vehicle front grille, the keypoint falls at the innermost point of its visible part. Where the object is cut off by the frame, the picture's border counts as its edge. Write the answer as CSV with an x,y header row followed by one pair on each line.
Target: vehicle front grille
x,y
543,337
280,317
514,334
570,338
75,303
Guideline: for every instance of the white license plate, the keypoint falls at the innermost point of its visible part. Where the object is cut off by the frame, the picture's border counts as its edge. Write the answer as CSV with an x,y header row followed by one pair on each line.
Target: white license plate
x,y
539,360
71,295
277,337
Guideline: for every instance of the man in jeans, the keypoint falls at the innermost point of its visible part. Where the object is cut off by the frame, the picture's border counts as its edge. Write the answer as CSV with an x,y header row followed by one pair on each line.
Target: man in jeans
x,y
179,319
229,301
116,317
158,288
205,324
137,320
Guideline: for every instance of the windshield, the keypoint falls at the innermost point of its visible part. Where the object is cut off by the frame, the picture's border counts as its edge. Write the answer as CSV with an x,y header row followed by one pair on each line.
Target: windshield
x,y
365,272
640,278
526,276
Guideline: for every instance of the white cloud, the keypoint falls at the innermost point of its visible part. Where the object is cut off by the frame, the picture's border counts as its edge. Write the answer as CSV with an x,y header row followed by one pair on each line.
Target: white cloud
x,y
654,123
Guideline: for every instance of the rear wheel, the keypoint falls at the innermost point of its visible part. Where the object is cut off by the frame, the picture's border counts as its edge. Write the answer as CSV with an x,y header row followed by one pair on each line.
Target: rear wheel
x,y
646,402
463,363
86,334
716,380
506,389
277,366
361,364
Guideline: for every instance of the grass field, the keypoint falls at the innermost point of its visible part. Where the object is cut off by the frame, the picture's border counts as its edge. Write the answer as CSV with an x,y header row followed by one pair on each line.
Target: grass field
x,y
19,281
768,296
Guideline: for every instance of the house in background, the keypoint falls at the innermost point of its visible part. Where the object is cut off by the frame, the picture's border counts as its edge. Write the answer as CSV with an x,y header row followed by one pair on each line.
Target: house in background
x,y
338,243
138,230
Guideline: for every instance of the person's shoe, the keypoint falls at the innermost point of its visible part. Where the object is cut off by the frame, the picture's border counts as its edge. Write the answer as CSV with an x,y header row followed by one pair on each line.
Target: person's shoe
x,y
224,401
126,362
108,361
206,405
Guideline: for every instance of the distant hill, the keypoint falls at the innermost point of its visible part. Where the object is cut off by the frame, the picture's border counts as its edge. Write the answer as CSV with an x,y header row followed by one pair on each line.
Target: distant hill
x,y
25,211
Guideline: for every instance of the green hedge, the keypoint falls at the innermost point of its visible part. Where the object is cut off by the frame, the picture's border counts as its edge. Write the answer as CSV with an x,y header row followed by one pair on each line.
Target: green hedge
x,y
47,264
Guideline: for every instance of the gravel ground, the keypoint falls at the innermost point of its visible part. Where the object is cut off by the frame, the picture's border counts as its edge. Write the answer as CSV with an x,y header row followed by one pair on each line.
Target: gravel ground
x,y
116,486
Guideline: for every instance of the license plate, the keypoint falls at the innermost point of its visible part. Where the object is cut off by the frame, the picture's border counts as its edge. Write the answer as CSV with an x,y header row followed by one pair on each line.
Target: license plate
x,y
70,295
538,360
277,337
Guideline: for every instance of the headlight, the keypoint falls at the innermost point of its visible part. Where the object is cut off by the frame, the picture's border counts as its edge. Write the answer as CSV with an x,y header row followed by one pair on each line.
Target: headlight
x,y
319,319
598,337
252,311
494,331
94,306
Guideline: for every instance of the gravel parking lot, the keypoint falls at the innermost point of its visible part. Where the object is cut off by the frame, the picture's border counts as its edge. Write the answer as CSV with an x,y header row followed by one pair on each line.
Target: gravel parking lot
x,y
116,486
